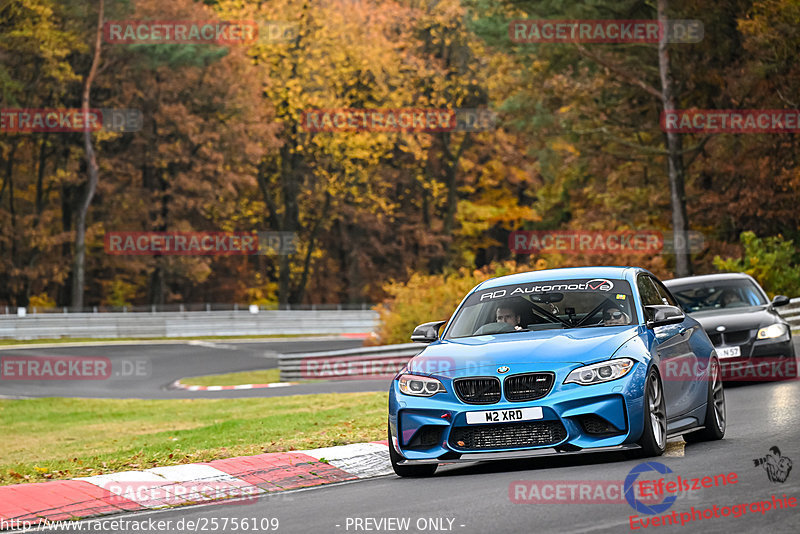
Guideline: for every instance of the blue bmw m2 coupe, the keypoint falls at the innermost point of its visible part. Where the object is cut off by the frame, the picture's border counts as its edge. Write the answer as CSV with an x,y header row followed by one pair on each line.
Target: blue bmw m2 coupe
x,y
556,362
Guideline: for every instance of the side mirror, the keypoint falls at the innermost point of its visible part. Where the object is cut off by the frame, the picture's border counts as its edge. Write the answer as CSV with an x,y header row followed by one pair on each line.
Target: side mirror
x,y
780,300
427,332
663,315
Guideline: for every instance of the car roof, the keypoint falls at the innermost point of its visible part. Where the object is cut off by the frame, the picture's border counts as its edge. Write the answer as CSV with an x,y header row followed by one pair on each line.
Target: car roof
x,y
718,277
568,273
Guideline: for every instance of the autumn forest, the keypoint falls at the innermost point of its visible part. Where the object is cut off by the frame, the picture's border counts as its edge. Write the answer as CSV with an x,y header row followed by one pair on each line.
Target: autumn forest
x,y
576,143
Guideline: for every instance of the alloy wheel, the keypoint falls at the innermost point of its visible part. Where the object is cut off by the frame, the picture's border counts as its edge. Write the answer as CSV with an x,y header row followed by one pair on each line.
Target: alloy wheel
x,y
658,418
717,396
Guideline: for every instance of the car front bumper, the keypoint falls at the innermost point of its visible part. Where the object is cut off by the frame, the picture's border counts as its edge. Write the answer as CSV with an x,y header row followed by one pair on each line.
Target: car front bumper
x,y
763,359
575,419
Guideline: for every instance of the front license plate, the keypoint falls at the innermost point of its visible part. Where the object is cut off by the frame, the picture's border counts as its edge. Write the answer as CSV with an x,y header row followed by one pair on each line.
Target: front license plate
x,y
729,352
504,416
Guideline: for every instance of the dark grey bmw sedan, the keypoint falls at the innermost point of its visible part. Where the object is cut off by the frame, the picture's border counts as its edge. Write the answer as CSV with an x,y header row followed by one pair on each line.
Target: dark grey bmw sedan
x,y
751,339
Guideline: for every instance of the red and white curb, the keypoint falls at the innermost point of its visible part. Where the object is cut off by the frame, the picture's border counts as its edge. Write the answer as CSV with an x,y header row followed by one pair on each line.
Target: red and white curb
x,y
364,460
229,481
180,385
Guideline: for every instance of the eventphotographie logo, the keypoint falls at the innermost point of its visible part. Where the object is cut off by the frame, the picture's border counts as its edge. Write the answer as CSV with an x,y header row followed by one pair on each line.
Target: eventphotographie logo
x,y
636,503
777,467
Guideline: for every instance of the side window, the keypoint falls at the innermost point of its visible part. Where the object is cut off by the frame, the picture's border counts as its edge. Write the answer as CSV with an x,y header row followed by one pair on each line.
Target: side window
x,y
666,297
648,291
467,323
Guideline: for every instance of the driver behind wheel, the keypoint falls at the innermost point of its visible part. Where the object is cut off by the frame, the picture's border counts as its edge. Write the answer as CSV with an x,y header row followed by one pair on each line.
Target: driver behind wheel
x,y
506,314
729,299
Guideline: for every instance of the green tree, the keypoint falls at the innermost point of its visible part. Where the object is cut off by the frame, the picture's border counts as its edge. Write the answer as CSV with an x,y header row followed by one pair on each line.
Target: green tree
x,y
773,261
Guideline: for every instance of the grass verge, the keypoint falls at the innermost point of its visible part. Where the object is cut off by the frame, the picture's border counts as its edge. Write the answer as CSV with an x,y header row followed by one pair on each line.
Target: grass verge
x,y
55,438
263,376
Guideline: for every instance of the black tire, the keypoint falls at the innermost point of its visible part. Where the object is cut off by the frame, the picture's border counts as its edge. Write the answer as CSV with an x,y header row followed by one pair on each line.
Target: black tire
x,y
654,434
715,422
408,471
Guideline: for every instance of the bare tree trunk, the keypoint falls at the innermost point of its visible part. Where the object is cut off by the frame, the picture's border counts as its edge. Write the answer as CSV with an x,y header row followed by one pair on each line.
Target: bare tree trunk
x,y
301,286
12,210
67,207
680,223
40,180
450,161
79,273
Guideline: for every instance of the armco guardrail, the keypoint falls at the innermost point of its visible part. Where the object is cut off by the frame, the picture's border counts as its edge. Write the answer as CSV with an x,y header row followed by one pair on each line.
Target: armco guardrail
x,y
182,307
791,312
368,362
187,324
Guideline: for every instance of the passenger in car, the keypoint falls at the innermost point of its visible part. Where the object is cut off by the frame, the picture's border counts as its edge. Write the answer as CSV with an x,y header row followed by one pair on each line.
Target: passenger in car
x,y
613,316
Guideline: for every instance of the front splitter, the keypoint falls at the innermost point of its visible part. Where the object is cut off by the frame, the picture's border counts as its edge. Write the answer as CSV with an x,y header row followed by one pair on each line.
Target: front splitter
x,y
512,455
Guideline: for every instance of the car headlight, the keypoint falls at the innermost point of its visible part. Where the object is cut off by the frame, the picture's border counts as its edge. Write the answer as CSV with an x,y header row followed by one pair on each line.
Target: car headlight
x,y
600,372
420,386
772,331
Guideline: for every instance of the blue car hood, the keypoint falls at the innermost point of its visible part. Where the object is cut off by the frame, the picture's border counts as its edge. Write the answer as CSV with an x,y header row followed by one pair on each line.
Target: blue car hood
x,y
555,347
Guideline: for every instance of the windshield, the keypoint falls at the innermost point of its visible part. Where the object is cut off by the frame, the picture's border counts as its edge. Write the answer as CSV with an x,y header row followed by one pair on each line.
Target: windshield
x,y
545,305
718,295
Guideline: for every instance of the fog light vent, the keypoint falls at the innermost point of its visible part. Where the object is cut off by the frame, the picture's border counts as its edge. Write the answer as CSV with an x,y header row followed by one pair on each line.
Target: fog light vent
x,y
597,426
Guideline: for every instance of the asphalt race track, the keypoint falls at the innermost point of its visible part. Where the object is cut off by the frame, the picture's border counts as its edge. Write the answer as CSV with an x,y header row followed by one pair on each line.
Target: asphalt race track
x,y
146,371
475,498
